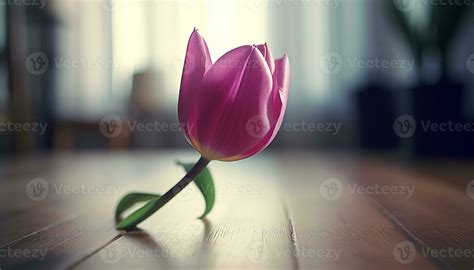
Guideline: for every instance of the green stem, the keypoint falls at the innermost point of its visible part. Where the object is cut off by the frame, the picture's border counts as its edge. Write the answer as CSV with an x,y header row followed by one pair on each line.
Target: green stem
x,y
188,178
153,206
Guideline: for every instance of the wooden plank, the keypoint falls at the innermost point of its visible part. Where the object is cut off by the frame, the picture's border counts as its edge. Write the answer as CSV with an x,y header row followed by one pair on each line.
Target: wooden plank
x,y
336,229
25,215
439,214
251,225
75,218
58,246
247,229
454,172
73,183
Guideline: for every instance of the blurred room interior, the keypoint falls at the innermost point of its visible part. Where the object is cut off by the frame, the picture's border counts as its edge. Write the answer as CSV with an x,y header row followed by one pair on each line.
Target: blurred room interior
x,y
125,58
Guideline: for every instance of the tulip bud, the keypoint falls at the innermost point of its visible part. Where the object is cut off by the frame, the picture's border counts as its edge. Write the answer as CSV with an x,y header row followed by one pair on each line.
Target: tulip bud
x,y
232,109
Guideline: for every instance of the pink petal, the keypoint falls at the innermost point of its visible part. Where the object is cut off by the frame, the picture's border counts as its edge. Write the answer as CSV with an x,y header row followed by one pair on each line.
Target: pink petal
x,y
276,106
235,89
268,56
197,63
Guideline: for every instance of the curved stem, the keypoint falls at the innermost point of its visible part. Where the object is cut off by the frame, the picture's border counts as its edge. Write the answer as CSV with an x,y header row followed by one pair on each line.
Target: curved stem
x,y
188,178
154,205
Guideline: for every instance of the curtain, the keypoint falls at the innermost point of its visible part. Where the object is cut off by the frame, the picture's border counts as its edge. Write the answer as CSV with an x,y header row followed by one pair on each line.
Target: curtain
x,y
84,63
154,37
151,35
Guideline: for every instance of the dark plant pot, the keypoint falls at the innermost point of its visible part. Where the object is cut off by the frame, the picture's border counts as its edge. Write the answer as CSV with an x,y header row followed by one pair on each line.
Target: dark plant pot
x,y
439,103
376,111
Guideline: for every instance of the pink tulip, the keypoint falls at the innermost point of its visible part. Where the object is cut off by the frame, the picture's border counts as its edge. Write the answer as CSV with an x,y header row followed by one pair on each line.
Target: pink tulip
x,y
232,109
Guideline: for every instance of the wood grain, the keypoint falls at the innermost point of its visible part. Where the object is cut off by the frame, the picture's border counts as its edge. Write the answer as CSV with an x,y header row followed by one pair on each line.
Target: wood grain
x,y
272,212
247,229
439,216
340,223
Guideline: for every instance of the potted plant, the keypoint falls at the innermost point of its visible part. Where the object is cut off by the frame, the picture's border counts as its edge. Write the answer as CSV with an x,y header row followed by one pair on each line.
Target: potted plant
x,y
376,112
437,97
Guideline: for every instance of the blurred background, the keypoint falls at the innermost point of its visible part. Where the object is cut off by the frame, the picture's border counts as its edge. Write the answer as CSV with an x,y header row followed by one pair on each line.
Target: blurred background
x,y
367,75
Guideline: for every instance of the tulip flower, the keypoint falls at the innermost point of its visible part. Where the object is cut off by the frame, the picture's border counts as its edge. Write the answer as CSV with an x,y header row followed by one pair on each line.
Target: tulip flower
x,y
230,110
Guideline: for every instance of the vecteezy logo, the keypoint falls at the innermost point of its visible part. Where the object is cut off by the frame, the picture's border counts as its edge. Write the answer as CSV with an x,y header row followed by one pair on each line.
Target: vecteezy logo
x,y
111,254
404,5
257,126
37,189
470,190
331,63
109,5
110,126
257,5
331,189
404,252
404,126
470,63
257,251
37,63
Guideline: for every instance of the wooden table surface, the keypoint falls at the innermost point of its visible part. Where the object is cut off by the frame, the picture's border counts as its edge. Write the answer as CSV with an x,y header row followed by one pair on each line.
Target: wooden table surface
x,y
280,210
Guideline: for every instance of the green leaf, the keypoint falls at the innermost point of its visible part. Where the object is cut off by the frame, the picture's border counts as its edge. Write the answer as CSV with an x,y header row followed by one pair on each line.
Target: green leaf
x,y
203,181
140,215
205,184
415,39
130,200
